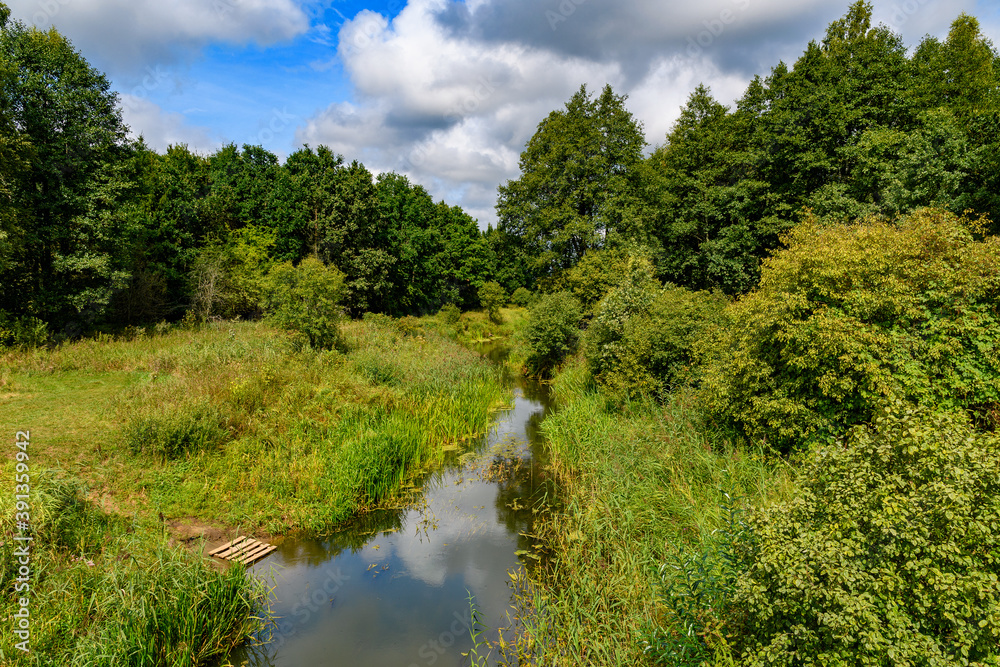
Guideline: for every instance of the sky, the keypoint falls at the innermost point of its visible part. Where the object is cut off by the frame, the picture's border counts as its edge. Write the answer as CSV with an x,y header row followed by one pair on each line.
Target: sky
x,y
445,91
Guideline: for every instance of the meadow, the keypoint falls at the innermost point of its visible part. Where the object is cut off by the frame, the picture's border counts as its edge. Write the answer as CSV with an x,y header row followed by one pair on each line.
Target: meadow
x,y
232,425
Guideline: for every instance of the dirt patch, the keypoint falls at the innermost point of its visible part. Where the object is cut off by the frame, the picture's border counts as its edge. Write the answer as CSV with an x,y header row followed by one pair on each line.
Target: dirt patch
x,y
193,533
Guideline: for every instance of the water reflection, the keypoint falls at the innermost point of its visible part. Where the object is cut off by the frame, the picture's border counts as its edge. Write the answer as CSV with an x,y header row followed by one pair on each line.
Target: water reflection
x,y
390,588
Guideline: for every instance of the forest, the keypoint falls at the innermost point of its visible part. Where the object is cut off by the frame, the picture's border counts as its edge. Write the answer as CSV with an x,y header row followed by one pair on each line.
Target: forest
x,y
773,341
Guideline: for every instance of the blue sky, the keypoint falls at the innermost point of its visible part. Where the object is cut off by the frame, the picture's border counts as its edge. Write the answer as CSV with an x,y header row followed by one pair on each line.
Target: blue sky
x,y
445,91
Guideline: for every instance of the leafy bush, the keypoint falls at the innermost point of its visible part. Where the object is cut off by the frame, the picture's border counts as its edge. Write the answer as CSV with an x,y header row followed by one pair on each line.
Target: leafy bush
x,y
600,271
521,297
850,314
25,331
306,298
643,336
890,554
552,331
492,297
450,314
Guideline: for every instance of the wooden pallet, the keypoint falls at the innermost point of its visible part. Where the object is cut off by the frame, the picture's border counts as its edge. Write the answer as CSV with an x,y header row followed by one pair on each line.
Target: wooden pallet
x,y
244,550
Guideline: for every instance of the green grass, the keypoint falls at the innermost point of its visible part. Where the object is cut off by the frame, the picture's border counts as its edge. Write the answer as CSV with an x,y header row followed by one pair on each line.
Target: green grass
x,y
105,590
231,423
641,486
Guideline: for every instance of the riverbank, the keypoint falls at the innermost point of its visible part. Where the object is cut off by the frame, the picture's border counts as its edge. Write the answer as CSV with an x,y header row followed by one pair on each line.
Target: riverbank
x,y
226,425
647,488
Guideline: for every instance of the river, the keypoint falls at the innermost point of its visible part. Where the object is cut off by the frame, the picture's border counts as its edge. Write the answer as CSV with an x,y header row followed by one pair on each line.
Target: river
x,y
392,587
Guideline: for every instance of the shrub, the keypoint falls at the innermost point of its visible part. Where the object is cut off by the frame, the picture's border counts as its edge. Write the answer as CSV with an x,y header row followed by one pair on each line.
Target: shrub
x,y
521,297
600,271
306,298
25,331
552,331
450,314
850,314
889,555
492,296
643,336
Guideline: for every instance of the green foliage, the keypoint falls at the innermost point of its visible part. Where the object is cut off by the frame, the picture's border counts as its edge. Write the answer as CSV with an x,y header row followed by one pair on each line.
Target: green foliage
x,y
643,338
577,189
305,298
24,331
68,184
552,331
890,554
450,314
492,297
521,297
599,272
848,315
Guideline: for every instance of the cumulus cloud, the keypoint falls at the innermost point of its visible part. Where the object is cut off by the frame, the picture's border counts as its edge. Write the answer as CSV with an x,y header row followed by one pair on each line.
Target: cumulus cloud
x,y
160,129
123,36
449,92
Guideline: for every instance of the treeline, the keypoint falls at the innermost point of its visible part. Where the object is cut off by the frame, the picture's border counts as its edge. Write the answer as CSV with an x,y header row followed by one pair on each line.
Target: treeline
x,y
857,126
99,230
796,301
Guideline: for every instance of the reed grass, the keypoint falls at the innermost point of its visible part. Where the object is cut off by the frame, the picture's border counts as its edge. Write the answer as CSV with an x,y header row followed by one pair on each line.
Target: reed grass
x,y
107,591
641,486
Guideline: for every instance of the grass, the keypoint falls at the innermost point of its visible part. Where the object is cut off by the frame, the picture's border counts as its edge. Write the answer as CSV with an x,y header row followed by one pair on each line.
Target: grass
x,y
228,423
642,486
107,591
231,423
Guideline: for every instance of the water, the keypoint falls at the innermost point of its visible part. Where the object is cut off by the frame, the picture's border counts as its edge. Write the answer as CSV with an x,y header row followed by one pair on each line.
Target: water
x,y
392,588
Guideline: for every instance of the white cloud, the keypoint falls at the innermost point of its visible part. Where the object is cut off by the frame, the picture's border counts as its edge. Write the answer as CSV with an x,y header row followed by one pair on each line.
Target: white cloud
x,y
160,129
122,37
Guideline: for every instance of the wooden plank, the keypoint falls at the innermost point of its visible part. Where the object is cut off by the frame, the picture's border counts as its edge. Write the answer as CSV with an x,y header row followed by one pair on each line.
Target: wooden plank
x,y
244,550
253,558
226,549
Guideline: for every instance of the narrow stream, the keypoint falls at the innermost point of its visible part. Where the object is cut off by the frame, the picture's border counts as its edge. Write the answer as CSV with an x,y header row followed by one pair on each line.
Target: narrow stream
x,y
391,588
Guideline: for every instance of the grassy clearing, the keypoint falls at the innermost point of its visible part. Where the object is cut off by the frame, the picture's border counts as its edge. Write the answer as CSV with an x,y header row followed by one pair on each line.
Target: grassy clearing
x,y
642,486
230,423
233,424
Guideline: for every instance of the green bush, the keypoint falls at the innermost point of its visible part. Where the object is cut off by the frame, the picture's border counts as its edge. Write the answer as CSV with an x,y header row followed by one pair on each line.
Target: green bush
x,y
890,555
492,297
643,336
521,297
552,331
848,315
25,331
306,298
450,314
600,271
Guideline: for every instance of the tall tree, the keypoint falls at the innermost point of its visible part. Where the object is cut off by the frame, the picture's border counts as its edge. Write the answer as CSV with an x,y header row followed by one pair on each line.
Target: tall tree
x,y
578,182
70,257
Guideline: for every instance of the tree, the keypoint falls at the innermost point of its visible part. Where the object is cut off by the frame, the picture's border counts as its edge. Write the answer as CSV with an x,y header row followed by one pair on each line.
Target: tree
x,y
71,229
850,315
305,298
492,297
578,182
